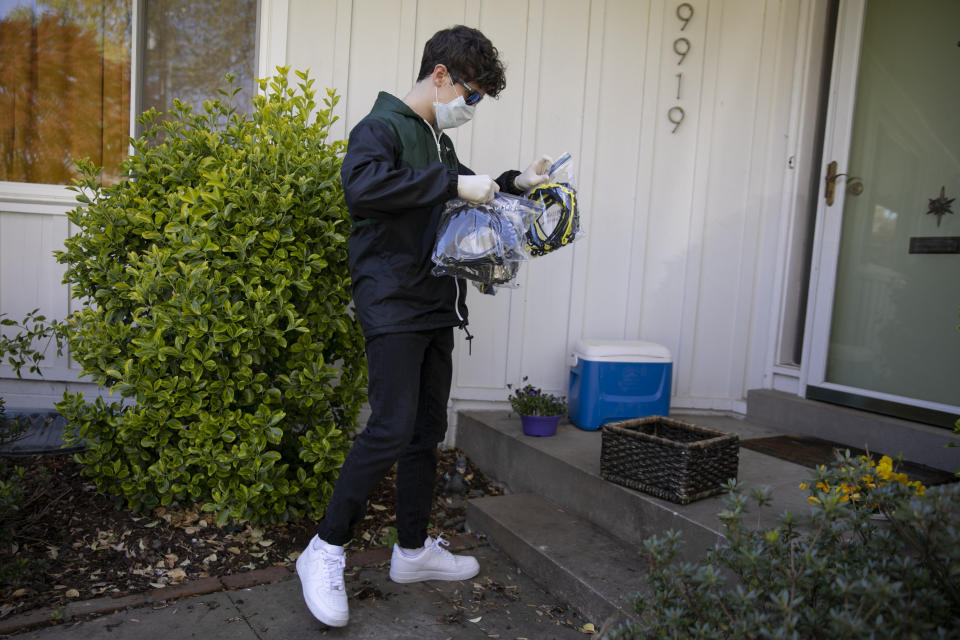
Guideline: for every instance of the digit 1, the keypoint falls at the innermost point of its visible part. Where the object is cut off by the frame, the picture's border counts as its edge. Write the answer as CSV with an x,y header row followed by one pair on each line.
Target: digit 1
x,y
685,13
679,79
675,119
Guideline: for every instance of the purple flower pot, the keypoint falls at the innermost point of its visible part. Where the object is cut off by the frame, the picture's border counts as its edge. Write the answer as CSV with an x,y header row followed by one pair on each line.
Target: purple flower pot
x,y
539,425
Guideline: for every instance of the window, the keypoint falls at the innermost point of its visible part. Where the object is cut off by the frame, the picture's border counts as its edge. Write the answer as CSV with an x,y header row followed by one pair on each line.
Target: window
x,y
189,46
66,74
64,87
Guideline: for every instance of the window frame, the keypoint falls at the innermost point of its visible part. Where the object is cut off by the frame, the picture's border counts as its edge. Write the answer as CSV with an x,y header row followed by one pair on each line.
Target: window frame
x,y
57,199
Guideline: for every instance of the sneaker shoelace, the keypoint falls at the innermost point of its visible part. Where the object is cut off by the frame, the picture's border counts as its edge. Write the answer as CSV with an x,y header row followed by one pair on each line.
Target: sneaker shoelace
x,y
438,541
334,565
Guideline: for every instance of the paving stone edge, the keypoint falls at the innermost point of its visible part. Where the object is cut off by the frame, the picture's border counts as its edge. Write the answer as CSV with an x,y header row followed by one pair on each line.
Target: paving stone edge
x,y
47,616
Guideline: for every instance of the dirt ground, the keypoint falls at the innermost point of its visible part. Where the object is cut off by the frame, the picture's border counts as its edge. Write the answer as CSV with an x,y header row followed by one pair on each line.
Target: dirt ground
x,y
75,544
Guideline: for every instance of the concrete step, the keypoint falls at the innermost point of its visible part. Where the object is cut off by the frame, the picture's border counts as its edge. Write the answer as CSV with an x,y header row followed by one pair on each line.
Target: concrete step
x,y
577,561
579,535
880,434
565,469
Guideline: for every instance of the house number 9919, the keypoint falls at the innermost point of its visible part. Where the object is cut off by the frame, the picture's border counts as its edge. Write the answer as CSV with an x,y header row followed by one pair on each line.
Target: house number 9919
x,y
681,47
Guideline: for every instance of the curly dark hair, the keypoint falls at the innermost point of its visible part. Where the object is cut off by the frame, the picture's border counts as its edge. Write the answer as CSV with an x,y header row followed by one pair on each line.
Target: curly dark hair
x,y
468,54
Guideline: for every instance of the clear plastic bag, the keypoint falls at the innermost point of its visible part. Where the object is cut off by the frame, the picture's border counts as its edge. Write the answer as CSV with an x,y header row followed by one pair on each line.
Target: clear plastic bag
x,y
559,225
484,243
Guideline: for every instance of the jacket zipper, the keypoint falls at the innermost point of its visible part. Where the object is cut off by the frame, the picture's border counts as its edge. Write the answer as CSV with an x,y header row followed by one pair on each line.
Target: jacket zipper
x,y
436,139
456,300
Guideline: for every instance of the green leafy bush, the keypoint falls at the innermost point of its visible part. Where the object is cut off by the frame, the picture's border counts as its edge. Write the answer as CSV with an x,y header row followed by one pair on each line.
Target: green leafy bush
x,y
23,344
12,500
216,277
885,566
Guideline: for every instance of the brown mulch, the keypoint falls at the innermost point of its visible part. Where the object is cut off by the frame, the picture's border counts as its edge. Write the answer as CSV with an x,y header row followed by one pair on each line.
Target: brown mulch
x,y
76,544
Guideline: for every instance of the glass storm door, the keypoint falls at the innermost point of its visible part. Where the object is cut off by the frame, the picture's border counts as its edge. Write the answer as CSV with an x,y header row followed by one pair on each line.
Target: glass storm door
x,y
887,297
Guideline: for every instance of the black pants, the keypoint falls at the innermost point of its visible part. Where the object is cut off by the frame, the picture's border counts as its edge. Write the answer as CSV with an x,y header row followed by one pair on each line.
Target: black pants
x,y
410,376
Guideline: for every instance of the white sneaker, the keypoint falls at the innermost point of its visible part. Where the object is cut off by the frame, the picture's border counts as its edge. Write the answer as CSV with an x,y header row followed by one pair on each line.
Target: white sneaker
x,y
433,562
320,568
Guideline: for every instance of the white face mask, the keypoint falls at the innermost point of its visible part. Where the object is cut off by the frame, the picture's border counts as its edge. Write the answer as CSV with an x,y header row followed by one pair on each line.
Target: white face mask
x,y
452,114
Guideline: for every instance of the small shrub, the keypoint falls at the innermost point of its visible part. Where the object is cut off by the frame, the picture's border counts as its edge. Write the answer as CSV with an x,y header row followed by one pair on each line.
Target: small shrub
x,y
887,567
857,484
11,498
23,345
389,537
10,430
28,345
218,290
529,400
25,494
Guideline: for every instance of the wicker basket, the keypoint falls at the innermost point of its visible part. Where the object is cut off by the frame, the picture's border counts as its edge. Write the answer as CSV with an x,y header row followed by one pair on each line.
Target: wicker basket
x,y
667,458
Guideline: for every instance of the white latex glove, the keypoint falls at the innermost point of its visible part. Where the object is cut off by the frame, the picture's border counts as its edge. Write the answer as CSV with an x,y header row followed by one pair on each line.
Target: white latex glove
x,y
476,188
536,173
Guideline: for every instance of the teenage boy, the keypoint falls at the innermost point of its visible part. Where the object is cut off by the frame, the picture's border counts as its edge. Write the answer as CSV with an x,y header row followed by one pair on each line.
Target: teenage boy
x,y
399,170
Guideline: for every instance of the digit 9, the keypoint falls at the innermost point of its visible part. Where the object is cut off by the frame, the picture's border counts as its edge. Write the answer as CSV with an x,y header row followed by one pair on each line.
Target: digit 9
x,y
681,47
685,14
676,115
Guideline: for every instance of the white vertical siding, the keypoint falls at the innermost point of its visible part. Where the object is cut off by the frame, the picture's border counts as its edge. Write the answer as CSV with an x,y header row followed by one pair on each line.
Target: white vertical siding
x,y
725,217
557,119
31,229
678,190
30,278
681,227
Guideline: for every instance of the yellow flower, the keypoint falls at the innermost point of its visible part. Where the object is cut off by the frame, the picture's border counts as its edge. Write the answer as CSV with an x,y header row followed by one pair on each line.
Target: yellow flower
x,y
850,492
885,468
847,490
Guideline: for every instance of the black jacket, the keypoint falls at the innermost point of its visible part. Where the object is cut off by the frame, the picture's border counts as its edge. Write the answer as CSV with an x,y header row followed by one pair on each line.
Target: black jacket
x,y
397,174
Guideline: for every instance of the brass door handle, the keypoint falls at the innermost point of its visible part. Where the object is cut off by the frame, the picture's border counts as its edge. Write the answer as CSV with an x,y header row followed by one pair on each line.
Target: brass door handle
x,y
854,184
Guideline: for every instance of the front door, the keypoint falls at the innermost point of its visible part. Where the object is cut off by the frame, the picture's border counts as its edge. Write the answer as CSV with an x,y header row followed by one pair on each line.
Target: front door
x,y
886,290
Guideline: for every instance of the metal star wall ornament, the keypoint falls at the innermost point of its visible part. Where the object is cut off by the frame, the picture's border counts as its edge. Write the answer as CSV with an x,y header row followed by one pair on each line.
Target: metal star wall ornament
x,y
941,206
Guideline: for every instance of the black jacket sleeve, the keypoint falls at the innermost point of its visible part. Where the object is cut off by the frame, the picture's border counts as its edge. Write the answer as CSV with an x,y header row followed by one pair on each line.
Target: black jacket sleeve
x,y
505,182
376,183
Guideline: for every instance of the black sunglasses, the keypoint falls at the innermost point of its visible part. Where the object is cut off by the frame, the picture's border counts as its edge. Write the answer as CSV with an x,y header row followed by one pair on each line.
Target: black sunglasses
x,y
473,96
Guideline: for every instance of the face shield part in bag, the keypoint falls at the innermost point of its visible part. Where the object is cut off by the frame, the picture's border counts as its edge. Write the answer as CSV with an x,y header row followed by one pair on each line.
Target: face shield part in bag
x,y
484,242
478,243
469,234
559,225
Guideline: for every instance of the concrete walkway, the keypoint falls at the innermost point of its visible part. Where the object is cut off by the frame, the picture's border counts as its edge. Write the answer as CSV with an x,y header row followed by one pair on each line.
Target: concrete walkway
x,y
501,602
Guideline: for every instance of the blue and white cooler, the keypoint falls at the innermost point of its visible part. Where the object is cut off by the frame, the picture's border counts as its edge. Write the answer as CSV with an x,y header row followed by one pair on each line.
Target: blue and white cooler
x,y
614,380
